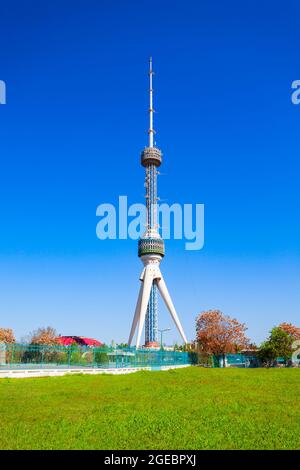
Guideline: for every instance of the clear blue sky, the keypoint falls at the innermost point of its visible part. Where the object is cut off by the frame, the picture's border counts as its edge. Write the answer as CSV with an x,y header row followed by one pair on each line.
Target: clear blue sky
x,y
71,135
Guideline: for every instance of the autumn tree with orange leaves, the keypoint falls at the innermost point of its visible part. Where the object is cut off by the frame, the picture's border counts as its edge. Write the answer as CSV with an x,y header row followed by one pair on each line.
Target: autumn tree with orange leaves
x,y
7,336
46,336
219,334
291,330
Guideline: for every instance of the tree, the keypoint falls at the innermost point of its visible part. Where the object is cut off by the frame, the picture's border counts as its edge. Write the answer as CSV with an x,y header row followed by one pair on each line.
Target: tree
x,y
267,353
41,350
291,330
47,336
7,336
279,344
219,334
188,347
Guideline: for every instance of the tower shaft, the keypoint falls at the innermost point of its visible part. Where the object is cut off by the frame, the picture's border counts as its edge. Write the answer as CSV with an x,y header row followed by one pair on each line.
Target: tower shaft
x,y
151,197
151,320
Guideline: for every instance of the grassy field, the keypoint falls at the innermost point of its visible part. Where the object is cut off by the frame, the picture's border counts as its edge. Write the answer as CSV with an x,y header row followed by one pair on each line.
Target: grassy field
x,y
191,408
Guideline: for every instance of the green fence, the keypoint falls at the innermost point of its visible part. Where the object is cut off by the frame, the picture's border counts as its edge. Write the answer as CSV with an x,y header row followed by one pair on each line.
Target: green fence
x,y
245,360
231,360
241,360
28,356
42,356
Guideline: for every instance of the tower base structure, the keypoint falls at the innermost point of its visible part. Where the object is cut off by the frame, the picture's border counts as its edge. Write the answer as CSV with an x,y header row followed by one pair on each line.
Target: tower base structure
x,y
150,275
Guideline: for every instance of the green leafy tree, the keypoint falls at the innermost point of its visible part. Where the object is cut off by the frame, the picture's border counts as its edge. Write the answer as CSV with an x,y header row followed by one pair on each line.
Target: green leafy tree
x,y
267,353
279,344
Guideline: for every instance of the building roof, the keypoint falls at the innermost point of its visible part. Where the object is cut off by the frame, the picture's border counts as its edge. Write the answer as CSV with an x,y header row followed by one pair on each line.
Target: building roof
x,y
80,340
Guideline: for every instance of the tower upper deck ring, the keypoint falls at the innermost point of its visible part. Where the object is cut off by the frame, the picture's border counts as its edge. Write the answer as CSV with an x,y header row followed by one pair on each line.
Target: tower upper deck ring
x,y
151,155
150,246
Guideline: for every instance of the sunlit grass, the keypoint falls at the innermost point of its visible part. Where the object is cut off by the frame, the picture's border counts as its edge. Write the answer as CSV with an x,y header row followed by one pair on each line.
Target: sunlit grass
x,y
190,408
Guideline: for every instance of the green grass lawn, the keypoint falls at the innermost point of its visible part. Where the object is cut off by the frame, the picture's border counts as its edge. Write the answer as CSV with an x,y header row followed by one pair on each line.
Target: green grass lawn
x,y
191,408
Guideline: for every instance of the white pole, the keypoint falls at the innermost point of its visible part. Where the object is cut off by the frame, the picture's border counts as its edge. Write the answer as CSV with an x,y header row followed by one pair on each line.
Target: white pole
x,y
168,301
136,315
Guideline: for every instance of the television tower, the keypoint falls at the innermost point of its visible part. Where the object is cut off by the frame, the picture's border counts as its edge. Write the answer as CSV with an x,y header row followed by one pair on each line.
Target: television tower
x,y
151,250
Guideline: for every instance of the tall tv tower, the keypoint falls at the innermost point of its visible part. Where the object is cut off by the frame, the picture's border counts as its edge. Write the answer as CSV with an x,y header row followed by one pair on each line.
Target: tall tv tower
x,y
151,250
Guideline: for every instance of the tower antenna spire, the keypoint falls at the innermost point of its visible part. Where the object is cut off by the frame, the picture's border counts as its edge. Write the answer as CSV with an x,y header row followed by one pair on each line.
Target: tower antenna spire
x,y
151,110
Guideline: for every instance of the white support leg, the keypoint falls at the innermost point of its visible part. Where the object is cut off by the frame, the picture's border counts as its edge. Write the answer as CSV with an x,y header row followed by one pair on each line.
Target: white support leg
x,y
168,301
147,284
136,315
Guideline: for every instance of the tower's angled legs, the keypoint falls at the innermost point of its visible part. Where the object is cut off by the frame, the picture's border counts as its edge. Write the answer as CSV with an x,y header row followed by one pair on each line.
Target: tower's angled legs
x,y
168,301
136,314
147,284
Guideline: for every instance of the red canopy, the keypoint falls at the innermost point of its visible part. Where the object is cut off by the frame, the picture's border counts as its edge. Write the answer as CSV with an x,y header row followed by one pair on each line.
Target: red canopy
x,y
68,340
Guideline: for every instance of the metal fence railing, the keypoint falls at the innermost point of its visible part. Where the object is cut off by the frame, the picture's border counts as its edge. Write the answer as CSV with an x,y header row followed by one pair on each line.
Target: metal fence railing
x,y
30,356
17,355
